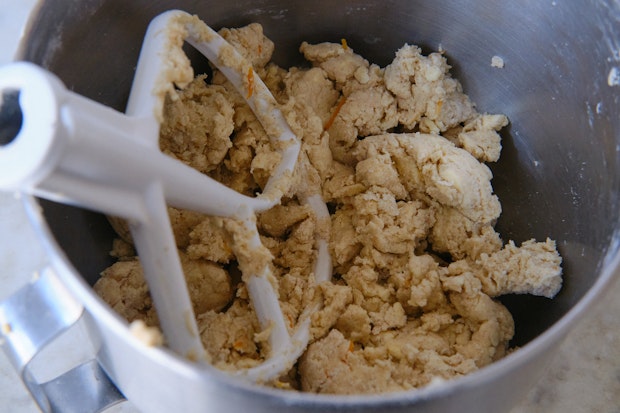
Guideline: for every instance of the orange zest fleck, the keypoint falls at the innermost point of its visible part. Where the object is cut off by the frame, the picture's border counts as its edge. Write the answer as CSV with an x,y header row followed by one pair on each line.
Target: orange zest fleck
x,y
439,105
344,44
351,346
238,345
250,82
260,49
332,118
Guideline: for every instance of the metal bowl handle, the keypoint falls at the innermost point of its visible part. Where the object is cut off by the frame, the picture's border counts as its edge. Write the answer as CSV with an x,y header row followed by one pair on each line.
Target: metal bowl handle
x,y
32,318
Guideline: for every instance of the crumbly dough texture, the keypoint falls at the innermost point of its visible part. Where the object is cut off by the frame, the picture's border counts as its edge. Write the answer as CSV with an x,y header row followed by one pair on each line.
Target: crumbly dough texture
x,y
399,155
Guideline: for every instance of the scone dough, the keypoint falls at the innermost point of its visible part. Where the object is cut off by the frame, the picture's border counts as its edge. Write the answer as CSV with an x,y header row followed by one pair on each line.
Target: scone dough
x,y
399,155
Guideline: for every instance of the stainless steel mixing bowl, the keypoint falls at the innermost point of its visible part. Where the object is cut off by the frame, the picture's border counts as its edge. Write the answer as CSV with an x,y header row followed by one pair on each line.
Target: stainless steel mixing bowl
x,y
559,174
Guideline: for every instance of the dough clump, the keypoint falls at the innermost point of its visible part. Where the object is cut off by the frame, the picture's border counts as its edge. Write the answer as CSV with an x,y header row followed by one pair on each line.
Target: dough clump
x,y
399,154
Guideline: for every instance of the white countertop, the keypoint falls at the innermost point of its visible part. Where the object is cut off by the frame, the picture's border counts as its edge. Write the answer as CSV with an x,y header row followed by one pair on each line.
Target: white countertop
x,y
583,377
